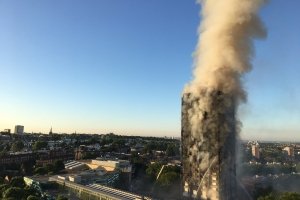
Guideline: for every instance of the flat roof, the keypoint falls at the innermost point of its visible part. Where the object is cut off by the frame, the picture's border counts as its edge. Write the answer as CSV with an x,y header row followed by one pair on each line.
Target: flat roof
x,y
104,190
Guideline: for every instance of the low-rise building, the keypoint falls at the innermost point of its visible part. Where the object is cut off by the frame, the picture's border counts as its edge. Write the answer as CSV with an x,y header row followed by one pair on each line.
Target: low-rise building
x,y
17,158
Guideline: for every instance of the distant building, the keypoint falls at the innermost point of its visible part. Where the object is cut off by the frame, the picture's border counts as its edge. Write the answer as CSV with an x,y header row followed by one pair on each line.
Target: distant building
x,y
50,132
19,129
49,157
290,151
4,139
17,158
102,171
112,164
255,150
75,165
6,130
79,154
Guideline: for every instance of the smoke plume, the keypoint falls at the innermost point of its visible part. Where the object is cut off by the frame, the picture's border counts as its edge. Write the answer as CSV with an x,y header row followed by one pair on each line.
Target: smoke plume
x,y
225,47
223,55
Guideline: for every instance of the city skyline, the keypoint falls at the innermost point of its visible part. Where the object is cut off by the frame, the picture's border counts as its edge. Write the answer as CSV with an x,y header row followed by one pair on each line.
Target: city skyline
x,y
119,67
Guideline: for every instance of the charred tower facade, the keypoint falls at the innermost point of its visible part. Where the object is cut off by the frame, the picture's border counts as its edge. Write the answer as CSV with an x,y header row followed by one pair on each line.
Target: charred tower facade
x,y
208,145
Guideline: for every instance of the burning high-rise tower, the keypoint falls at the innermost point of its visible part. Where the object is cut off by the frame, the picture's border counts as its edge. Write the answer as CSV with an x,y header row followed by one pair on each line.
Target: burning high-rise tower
x,y
209,151
210,100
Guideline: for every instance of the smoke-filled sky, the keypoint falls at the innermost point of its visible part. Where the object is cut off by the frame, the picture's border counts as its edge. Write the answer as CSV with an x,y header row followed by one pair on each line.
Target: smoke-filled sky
x,y
120,66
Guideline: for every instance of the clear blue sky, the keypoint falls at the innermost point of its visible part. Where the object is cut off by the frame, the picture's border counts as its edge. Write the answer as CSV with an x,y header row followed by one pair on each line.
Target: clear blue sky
x,y
119,66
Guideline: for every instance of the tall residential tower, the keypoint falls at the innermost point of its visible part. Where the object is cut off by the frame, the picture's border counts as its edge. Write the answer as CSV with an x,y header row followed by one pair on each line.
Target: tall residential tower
x,y
19,129
208,146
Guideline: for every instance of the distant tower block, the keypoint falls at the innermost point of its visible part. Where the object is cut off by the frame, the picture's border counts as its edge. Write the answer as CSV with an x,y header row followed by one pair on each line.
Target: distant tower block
x,y
50,132
19,129
208,152
255,150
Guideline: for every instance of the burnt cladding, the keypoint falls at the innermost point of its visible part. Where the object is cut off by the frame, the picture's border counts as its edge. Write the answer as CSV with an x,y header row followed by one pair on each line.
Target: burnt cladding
x,y
208,145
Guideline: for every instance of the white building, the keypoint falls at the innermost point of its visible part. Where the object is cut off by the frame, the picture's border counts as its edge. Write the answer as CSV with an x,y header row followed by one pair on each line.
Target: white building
x,y
255,150
122,165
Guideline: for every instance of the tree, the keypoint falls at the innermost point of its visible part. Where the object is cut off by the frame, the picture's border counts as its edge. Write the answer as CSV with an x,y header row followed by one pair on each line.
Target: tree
x,y
268,197
281,196
262,190
289,196
38,145
13,192
61,197
3,187
153,170
117,142
136,159
31,191
149,147
59,165
40,171
27,167
92,140
31,197
167,179
50,168
17,182
3,153
298,167
17,146
172,150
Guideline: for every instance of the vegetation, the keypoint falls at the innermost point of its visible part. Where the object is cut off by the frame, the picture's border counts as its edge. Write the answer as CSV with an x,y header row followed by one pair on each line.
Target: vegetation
x,y
172,150
260,169
17,182
17,190
27,167
32,197
168,178
40,171
61,197
17,146
38,145
50,168
14,193
281,196
167,181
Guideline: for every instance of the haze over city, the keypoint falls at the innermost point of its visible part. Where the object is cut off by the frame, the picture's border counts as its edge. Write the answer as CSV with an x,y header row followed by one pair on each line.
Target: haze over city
x,y
116,66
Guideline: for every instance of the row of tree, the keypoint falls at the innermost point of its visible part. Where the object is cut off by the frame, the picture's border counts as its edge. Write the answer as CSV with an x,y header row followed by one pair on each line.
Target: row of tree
x,y
260,169
19,146
281,196
50,168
